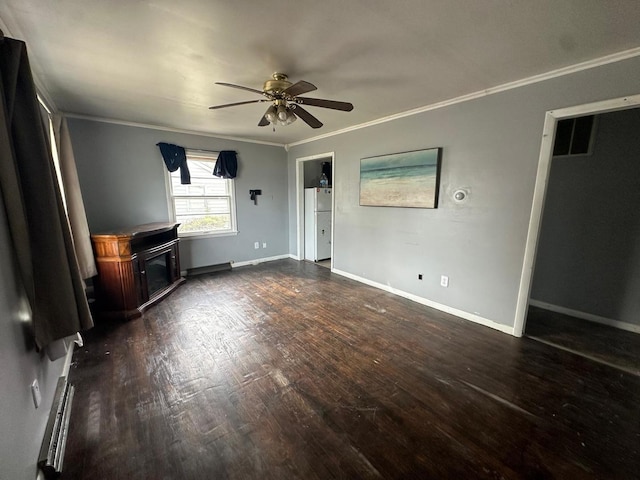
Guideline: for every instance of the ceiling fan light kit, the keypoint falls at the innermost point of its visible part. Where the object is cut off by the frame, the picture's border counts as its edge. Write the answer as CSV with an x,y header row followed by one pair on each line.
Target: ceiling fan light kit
x,y
286,104
271,114
290,118
282,112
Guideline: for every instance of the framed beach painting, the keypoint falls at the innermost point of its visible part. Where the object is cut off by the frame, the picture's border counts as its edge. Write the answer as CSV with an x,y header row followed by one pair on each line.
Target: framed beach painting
x,y
409,179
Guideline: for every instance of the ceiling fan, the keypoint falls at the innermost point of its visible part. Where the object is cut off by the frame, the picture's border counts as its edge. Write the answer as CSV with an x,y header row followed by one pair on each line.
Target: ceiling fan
x,y
286,105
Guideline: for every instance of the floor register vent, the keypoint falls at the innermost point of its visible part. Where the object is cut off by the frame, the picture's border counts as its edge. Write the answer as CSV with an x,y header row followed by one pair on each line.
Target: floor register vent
x,y
55,436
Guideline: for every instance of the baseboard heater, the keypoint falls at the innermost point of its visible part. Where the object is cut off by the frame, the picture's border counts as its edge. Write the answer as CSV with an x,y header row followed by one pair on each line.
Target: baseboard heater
x,y
222,267
55,435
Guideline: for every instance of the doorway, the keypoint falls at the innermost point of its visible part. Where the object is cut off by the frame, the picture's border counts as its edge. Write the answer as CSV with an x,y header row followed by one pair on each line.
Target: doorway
x,y
309,172
587,268
544,164
606,338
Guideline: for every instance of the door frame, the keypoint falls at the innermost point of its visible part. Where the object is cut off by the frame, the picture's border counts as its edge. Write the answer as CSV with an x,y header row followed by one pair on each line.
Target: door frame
x,y
540,190
300,200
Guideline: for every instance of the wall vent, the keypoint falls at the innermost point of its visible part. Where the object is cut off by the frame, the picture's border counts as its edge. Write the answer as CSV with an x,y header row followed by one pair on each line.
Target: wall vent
x,y
574,136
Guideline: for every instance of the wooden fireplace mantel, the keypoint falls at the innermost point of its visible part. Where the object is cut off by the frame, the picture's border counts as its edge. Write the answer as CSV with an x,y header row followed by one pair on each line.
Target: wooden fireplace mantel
x,y
137,267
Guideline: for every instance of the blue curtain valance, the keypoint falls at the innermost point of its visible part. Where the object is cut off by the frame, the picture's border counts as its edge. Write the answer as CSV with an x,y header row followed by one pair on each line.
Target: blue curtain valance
x,y
227,164
175,157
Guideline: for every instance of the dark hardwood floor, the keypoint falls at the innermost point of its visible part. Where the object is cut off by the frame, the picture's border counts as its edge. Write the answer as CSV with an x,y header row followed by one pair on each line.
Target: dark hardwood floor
x,y
602,343
285,370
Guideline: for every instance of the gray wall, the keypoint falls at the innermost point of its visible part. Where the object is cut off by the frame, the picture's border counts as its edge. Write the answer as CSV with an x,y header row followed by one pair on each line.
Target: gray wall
x,y
123,184
491,146
589,250
21,424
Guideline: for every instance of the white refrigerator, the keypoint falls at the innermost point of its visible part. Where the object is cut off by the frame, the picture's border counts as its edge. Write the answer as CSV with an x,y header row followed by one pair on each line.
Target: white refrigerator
x,y
317,224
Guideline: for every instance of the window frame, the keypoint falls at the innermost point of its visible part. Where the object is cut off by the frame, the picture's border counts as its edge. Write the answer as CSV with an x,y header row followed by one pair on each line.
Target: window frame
x,y
209,156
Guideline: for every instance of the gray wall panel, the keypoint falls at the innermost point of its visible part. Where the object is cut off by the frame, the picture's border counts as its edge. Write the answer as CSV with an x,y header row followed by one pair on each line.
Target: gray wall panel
x,y
122,180
21,424
491,146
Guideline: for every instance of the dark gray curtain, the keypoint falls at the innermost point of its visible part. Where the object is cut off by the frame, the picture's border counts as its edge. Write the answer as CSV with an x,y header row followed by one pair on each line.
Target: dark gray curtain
x,y
73,198
39,229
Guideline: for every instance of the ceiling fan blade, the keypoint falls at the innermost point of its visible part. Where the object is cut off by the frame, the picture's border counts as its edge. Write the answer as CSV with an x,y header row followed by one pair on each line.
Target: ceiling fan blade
x,y
263,122
215,107
240,87
309,119
319,102
299,88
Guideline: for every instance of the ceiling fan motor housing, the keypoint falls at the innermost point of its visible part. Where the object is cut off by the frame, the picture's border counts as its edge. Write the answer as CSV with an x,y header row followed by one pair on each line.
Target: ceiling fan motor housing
x,y
277,85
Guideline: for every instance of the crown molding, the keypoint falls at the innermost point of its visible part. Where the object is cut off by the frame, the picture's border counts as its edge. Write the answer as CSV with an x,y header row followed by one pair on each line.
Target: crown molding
x,y
168,129
560,72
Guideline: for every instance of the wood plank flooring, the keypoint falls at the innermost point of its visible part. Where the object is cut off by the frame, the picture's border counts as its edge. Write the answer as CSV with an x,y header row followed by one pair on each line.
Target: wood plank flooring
x,y
602,343
285,371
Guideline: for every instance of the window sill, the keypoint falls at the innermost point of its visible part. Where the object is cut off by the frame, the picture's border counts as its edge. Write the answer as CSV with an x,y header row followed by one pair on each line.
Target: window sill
x,y
198,235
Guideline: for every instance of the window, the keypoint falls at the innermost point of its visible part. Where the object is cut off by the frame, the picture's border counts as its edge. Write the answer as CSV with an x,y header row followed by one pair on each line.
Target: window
x,y
207,206
574,136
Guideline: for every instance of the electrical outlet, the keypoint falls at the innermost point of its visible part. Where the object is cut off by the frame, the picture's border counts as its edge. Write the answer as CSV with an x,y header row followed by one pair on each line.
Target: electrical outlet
x,y
419,276
444,281
35,392
264,244
256,245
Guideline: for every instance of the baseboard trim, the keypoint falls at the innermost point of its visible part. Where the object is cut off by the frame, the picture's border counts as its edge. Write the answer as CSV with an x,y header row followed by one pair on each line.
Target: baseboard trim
x,y
629,327
258,260
429,303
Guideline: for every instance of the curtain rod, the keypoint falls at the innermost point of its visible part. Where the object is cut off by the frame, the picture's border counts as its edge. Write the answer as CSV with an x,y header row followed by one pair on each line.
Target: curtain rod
x,y
203,151
195,150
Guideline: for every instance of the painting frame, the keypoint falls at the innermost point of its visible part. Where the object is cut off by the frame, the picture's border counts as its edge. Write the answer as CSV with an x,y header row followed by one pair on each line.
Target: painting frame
x,y
403,180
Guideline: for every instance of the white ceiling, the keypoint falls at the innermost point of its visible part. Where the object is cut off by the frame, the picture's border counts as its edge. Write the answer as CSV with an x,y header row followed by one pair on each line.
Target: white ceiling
x,y
155,62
